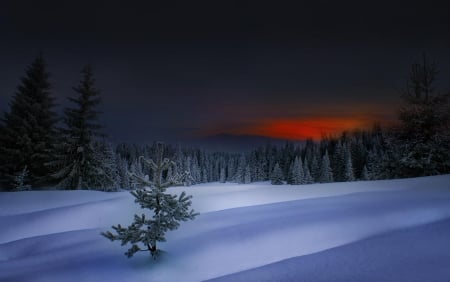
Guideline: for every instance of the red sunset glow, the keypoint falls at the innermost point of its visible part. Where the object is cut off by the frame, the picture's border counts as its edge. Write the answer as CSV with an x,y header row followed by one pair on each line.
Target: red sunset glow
x,y
303,128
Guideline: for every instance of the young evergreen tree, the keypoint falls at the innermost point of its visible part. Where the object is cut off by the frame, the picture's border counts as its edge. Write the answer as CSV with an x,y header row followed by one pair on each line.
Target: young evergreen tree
x,y
277,175
28,134
77,165
167,210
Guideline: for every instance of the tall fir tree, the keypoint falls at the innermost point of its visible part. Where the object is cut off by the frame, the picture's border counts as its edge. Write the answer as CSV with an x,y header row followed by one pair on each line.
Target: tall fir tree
x,y
421,146
28,133
78,164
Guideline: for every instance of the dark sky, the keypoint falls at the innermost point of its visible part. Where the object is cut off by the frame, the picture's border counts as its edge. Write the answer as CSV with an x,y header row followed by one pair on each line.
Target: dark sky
x,y
173,70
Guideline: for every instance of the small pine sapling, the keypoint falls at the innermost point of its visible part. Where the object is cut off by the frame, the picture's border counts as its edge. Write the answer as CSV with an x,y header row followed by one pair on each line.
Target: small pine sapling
x,y
168,210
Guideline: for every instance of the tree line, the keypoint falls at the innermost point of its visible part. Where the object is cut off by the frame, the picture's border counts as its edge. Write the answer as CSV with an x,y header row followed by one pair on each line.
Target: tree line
x,y
40,149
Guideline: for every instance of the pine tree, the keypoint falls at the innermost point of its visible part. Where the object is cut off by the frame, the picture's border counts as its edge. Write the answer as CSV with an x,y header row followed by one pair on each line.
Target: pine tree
x,y
315,168
348,167
21,180
28,135
359,156
339,163
167,210
247,175
421,146
277,175
195,172
123,171
188,165
136,169
364,174
326,174
77,166
204,174
297,176
240,172
222,177
375,166
307,178
107,170
290,177
230,169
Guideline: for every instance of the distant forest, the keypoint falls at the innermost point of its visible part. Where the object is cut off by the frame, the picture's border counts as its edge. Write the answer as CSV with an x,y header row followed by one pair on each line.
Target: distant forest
x,y
39,149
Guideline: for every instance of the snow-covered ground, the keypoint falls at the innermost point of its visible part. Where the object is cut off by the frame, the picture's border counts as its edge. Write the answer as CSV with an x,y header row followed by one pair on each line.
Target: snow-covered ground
x,y
396,230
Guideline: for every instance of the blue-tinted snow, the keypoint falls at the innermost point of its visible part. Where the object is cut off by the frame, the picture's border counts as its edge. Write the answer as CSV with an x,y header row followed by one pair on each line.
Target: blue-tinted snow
x,y
378,229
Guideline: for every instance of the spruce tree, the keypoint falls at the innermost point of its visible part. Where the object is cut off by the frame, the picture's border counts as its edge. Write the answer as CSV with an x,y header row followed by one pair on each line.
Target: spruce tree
x,y
222,177
296,173
240,172
339,162
307,178
107,170
123,171
247,175
195,171
422,144
167,210
78,164
28,134
21,180
277,175
290,176
315,168
348,167
364,174
326,174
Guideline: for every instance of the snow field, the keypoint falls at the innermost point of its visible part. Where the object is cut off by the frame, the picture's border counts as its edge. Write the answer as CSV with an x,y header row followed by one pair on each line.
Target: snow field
x,y
55,235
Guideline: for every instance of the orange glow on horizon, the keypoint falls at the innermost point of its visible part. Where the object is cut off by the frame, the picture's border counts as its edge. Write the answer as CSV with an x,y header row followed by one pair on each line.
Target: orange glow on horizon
x,y
300,129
